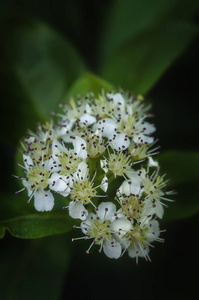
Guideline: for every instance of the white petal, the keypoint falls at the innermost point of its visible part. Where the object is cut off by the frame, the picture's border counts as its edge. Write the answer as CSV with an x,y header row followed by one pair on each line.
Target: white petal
x,y
117,99
27,185
85,226
136,251
77,210
141,138
82,172
130,187
121,226
107,127
43,200
112,248
152,163
159,210
103,164
27,161
104,184
154,231
87,119
57,182
79,145
150,128
120,142
106,210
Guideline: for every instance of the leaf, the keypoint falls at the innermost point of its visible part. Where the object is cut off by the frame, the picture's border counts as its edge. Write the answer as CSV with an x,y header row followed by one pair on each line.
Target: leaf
x,y
130,18
39,65
23,221
34,268
88,82
141,61
182,167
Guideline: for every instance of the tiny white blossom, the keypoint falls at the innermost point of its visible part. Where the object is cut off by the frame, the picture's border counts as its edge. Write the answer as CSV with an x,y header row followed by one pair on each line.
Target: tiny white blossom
x,y
99,227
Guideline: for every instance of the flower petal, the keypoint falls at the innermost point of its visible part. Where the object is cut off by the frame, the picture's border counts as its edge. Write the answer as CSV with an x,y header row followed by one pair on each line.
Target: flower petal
x,y
112,248
82,172
104,184
77,210
121,226
120,142
87,119
79,145
107,127
43,200
106,210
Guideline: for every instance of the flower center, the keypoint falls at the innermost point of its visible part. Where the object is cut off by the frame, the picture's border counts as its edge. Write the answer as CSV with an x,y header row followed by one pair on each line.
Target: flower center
x,y
137,235
119,164
100,230
69,163
127,125
138,151
94,146
153,189
132,207
38,177
83,191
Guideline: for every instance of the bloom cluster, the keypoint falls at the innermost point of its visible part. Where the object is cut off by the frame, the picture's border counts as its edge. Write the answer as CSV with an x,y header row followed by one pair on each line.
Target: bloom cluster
x,y
100,147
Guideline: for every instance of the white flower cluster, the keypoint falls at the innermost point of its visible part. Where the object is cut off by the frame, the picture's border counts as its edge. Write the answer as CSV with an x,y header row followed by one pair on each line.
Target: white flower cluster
x,y
94,152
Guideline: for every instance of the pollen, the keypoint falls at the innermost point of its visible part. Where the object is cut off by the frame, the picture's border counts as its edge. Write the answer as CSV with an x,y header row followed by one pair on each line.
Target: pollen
x,y
132,207
38,177
137,235
69,163
119,163
100,230
83,191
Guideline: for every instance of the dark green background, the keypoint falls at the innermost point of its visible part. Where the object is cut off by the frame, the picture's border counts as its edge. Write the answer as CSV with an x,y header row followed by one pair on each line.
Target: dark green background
x,y
41,268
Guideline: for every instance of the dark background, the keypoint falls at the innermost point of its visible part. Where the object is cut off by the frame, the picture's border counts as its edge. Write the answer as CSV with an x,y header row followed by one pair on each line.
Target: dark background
x,y
173,272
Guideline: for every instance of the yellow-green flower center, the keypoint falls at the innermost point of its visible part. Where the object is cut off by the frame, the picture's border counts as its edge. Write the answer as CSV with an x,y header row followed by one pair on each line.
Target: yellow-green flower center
x,y
69,163
119,163
127,125
38,177
137,235
132,207
83,191
100,230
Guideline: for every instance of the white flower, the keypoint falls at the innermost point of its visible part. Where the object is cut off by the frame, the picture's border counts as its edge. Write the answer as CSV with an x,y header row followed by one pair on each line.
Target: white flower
x,y
99,227
131,186
82,192
153,187
136,239
37,183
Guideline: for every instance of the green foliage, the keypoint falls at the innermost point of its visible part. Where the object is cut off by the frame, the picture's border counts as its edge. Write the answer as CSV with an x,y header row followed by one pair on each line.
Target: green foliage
x,y
140,62
35,268
39,67
88,82
182,167
23,221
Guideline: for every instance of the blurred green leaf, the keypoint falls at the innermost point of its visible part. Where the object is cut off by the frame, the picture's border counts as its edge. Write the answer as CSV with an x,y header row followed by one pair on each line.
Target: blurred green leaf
x,y
130,18
23,221
182,167
34,268
88,82
39,65
140,62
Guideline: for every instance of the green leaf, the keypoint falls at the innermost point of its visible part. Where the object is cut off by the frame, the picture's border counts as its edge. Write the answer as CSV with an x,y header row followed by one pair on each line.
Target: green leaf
x,y
39,65
182,167
88,82
38,267
140,62
23,221
130,18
